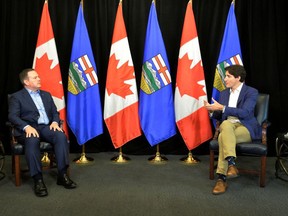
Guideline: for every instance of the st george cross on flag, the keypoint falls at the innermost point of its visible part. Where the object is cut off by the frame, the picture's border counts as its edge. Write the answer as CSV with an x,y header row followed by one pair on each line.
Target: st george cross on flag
x,y
156,106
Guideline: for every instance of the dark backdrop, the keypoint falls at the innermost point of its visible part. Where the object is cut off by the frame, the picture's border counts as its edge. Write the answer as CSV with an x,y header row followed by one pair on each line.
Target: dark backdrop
x,y
262,26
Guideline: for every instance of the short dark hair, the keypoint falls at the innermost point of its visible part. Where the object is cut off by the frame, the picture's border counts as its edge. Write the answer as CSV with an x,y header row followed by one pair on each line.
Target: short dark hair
x,y
24,74
236,71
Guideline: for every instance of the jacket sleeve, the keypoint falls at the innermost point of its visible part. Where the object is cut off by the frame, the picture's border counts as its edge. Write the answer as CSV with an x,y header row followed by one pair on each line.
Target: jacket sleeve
x,y
14,113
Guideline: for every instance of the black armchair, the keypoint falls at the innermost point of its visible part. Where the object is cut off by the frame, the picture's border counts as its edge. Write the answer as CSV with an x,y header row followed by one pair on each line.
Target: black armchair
x,y
256,148
17,149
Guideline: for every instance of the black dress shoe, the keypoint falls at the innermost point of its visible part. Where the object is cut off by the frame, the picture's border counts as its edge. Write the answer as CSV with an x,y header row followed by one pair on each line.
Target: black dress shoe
x,y
66,182
40,188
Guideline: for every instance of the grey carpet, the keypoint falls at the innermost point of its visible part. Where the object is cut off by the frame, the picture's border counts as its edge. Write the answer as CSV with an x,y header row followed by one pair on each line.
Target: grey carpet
x,y
142,188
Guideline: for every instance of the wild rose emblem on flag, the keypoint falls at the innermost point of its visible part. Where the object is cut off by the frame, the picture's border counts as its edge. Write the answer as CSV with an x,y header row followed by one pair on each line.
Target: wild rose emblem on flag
x,y
155,75
81,75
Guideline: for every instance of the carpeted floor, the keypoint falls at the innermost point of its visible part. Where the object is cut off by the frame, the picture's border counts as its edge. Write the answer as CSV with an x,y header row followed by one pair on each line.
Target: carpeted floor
x,y
140,187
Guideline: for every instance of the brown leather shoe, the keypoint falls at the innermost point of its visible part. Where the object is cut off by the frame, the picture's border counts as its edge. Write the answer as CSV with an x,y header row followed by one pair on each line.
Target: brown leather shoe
x,y
220,187
232,172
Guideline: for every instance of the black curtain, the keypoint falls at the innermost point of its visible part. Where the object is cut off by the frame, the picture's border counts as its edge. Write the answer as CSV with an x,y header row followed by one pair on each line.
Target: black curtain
x,y
263,32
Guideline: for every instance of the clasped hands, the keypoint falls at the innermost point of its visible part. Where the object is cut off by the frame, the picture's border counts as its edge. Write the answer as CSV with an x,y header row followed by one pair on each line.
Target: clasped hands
x,y
213,107
31,131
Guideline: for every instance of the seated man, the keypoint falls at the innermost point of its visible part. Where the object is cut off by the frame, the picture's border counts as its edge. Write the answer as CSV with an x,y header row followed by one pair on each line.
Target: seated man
x,y
235,109
35,116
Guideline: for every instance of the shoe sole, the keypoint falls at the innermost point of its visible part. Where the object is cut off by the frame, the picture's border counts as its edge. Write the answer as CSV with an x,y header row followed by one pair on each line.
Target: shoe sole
x,y
67,187
41,195
232,176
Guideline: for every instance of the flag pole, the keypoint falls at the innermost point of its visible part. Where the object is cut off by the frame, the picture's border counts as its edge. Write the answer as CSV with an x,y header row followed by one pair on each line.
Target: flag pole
x,y
45,159
120,158
190,159
158,158
83,159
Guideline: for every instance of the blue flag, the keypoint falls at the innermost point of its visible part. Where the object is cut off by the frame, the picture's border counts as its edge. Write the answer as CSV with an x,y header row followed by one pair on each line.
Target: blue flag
x,y
84,114
156,106
230,53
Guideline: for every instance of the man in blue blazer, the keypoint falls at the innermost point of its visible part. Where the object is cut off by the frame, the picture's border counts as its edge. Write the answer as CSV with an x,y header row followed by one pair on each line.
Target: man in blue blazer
x,y
35,117
235,109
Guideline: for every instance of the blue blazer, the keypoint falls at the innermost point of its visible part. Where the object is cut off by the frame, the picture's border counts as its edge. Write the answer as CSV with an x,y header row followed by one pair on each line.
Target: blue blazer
x,y
244,111
23,111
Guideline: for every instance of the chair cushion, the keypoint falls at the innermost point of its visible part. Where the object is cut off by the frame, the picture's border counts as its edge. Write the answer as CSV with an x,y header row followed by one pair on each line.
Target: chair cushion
x,y
18,149
249,148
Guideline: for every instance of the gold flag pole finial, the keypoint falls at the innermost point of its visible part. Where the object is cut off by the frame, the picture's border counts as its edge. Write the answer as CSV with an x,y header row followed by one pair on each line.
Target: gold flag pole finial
x,y
120,158
83,159
157,159
82,4
190,159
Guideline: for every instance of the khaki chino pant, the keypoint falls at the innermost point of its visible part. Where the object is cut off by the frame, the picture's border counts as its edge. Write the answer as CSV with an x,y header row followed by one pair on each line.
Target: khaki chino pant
x,y
230,134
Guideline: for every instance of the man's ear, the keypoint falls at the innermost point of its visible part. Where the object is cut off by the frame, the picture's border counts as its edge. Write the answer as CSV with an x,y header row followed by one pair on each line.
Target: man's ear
x,y
25,82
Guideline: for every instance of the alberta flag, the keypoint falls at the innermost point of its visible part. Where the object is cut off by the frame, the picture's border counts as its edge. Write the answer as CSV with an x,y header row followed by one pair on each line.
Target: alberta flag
x,y
84,114
230,53
192,117
121,97
157,117
46,64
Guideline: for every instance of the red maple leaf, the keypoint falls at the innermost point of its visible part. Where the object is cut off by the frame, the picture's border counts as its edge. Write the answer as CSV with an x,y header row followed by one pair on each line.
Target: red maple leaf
x,y
117,76
50,78
188,81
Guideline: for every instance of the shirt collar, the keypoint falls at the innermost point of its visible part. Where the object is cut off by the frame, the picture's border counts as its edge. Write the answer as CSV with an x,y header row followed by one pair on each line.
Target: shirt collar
x,y
32,92
238,89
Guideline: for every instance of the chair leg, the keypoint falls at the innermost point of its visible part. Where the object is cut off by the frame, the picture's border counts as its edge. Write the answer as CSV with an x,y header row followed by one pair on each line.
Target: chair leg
x,y
211,166
17,170
263,171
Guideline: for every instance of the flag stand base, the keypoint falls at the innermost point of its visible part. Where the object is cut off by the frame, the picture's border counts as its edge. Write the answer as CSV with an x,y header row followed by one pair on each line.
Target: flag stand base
x,y
120,158
45,159
83,159
157,159
190,159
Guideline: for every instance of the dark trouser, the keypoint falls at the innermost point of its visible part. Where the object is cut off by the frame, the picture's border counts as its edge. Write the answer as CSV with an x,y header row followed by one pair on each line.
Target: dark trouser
x,y
32,149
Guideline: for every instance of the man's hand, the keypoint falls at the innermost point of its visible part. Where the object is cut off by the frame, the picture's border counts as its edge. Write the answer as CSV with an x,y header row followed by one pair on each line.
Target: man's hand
x,y
54,126
213,107
30,131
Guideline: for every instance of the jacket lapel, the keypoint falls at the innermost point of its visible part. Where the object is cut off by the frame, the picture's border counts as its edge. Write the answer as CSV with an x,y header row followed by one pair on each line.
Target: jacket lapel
x,y
242,94
29,99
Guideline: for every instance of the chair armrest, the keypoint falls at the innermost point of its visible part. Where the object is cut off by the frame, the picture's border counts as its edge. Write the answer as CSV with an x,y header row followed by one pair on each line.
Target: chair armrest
x,y
265,124
217,130
11,127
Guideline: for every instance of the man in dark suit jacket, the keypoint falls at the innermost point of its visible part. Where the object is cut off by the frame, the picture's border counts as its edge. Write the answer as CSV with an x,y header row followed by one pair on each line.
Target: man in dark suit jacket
x,y
35,116
235,109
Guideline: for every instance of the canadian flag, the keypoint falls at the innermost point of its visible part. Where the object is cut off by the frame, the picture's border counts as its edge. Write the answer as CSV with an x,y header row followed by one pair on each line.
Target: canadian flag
x,y
121,98
46,64
192,118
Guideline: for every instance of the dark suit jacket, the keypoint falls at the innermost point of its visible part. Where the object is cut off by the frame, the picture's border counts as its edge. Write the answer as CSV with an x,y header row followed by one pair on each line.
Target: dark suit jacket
x,y
23,111
244,111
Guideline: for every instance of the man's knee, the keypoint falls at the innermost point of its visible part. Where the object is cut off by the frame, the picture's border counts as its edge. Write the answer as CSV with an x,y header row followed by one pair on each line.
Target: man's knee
x,y
226,125
60,136
32,141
